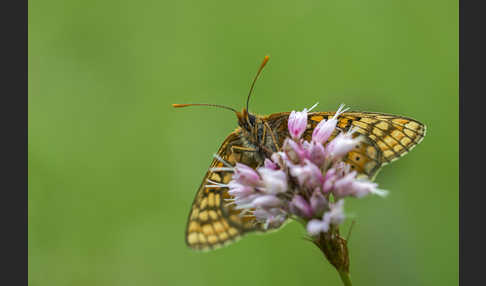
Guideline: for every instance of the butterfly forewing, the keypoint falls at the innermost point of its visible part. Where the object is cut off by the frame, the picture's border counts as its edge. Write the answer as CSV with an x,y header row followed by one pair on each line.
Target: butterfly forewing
x,y
213,220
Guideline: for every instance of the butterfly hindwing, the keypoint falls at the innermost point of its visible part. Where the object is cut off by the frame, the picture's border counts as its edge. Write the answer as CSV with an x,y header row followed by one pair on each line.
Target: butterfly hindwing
x,y
213,221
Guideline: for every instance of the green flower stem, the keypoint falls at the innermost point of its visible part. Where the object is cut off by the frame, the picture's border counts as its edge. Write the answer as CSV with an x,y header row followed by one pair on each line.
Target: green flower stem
x,y
335,249
345,278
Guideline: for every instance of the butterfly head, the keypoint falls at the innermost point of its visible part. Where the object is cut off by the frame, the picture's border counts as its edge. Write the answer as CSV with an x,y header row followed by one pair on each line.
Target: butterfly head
x,y
246,120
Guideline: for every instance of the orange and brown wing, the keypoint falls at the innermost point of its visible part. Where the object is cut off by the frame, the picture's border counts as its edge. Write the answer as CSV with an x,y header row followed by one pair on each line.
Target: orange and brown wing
x,y
213,221
386,137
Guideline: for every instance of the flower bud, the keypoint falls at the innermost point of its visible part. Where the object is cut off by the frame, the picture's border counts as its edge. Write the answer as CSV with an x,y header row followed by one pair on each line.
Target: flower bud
x,y
274,181
269,164
341,145
325,128
246,175
297,123
295,151
318,202
308,175
317,153
266,201
300,207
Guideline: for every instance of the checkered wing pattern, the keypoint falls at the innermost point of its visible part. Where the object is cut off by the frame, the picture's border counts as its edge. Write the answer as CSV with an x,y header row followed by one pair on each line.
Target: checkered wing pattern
x,y
213,221
386,137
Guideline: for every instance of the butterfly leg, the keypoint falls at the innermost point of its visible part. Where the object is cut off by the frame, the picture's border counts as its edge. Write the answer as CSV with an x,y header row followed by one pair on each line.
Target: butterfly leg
x,y
258,154
242,149
273,136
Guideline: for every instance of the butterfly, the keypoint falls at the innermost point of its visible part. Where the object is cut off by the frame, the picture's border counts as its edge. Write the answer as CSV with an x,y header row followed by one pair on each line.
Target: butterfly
x,y
213,222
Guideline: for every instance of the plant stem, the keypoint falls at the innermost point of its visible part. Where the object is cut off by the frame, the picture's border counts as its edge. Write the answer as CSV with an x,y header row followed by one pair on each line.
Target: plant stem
x,y
335,250
345,278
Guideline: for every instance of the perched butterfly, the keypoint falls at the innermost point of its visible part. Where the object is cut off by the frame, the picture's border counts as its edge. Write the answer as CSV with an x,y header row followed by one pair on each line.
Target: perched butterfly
x,y
214,222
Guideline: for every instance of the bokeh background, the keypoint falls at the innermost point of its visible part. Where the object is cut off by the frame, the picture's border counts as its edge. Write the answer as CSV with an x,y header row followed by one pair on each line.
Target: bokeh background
x,y
113,169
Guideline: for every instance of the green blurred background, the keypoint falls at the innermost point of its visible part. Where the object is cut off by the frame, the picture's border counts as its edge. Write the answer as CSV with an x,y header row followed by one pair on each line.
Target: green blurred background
x,y
113,169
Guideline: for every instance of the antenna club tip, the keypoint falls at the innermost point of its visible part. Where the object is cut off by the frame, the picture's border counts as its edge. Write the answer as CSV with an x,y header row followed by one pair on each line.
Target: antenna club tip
x,y
264,62
176,105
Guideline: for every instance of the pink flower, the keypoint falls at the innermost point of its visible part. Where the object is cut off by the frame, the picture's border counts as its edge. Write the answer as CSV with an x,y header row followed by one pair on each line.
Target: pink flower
x,y
301,207
279,158
295,151
318,202
317,153
245,202
344,186
297,123
266,202
341,145
274,181
334,216
238,190
350,186
329,178
316,226
269,164
341,168
325,128
308,175
246,175
272,218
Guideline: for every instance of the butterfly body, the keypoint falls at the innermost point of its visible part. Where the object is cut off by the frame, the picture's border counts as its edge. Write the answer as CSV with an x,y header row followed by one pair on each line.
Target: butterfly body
x,y
214,222
257,138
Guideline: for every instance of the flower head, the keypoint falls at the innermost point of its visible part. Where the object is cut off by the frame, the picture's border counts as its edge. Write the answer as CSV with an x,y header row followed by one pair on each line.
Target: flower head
x,y
307,179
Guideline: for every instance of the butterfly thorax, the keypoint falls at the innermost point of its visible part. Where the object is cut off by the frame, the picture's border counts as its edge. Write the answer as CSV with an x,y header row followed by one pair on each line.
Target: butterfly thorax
x,y
257,137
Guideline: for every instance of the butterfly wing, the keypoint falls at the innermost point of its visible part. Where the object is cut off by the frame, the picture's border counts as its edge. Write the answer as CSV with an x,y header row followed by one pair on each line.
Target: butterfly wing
x,y
386,137
213,222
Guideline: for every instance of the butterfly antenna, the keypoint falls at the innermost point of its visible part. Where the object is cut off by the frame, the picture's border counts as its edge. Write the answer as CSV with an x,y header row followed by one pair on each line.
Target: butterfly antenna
x,y
264,62
203,104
